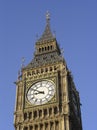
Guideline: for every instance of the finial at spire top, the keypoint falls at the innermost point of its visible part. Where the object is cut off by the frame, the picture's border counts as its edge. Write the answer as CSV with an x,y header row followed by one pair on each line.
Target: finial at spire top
x,y
47,16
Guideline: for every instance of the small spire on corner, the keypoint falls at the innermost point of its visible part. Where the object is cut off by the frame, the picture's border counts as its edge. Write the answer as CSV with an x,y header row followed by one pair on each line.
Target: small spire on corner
x,y
23,61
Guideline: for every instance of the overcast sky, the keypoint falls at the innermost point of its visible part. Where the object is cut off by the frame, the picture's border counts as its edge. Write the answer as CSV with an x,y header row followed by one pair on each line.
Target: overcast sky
x,y
75,25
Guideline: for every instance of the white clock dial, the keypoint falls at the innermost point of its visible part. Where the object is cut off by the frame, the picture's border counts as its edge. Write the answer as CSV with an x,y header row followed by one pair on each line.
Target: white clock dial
x,y
41,92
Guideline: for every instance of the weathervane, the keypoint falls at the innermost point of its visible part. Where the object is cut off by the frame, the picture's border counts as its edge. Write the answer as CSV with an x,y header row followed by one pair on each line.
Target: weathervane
x,y
47,16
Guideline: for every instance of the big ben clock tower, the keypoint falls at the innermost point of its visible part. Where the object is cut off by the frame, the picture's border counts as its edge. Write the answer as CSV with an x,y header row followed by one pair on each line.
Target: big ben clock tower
x,y
46,96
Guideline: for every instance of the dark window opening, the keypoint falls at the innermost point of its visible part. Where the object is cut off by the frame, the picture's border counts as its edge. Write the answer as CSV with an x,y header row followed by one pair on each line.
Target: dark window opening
x,y
39,49
35,114
31,127
51,47
25,116
40,113
50,68
50,111
45,48
48,48
45,112
36,127
30,115
42,49
25,128
41,70
55,110
46,70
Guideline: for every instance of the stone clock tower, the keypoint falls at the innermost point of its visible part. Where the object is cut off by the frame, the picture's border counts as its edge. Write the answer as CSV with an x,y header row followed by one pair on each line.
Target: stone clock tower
x,y
46,96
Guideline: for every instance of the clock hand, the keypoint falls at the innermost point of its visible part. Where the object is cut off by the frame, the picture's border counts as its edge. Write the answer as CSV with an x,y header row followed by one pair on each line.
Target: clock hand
x,y
35,90
40,92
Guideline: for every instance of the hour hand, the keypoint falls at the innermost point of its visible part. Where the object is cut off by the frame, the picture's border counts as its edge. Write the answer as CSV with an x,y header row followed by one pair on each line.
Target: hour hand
x,y
39,92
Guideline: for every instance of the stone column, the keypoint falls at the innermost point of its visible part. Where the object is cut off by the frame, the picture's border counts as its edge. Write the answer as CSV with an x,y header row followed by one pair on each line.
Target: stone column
x,y
42,113
54,125
44,126
48,125
38,126
18,128
33,127
28,127
48,112
52,111
37,113
67,123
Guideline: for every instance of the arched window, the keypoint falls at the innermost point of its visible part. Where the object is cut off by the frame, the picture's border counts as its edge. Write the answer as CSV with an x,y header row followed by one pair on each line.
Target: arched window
x,y
50,111
55,68
51,126
48,48
31,127
25,116
46,126
36,127
57,125
40,113
30,115
35,114
41,126
45,48
45,112
39,49
25,128
46,69
42,48
42,70
50,68
51,47
55,110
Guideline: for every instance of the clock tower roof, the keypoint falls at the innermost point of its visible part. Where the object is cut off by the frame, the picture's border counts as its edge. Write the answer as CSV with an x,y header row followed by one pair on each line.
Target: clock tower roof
x,y
47,50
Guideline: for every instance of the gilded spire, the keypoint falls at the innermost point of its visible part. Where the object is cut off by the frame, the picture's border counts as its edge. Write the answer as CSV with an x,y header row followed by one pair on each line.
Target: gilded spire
x,y
47,34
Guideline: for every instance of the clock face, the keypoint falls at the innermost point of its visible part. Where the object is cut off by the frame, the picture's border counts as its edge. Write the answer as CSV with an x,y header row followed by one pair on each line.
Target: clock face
x,y
41,92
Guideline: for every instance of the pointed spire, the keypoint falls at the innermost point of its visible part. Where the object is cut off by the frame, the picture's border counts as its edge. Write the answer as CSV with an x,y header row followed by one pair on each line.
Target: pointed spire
x,y
47,34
